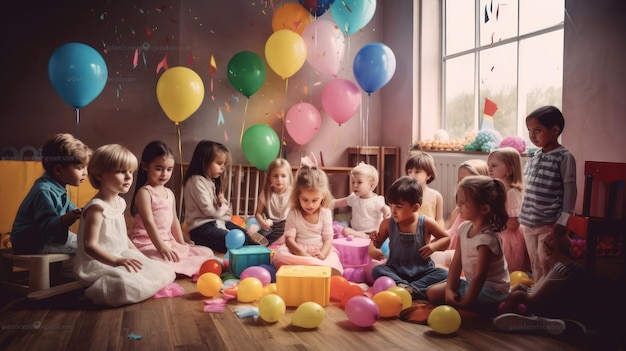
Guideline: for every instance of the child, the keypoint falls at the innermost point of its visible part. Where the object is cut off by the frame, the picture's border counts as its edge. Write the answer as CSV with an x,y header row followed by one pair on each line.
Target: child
x,y
550,191
409,233
368,209
42,220
558,294
421,166
273,206
207,212
309,224
481,201
474,166
156,231
115,272
506,164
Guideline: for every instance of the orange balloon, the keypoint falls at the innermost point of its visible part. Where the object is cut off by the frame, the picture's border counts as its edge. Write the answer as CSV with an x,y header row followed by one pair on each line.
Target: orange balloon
x,y
350,292
292,16
389,303
337,285
209,284
211,266
238,221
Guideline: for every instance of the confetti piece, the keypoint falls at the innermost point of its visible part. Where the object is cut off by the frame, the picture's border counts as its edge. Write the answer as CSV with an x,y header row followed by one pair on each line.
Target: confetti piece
x,y
102,16
145,64
134,336
162,64
212,66
132,30
135,58
190,59
148,33
212,85
236,98
227,106
225,136
220,118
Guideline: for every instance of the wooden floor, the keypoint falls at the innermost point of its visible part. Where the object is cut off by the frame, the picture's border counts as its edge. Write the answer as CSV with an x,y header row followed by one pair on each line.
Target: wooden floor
x,y
70,322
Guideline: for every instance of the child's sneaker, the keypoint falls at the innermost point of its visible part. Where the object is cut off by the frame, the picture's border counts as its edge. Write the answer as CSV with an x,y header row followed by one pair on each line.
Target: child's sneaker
x,y
259,239
528,324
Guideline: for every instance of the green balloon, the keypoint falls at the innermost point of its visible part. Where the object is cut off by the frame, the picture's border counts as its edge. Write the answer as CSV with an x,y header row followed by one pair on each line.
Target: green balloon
x,y
246,72
260,145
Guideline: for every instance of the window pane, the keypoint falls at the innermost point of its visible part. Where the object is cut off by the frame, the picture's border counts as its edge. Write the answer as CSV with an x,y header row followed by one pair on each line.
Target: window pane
x,y
459,92
460,26
539,14
498,20
498,83
541,75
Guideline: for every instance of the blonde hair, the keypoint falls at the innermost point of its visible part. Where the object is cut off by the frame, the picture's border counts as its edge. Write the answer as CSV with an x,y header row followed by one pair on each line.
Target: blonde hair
x,y
63,149
266,192
484,190
311,178
364,169
109,158
475,166
422,161
513,162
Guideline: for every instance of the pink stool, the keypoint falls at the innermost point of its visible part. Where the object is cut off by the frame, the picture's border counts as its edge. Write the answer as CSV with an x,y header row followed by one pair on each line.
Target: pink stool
x,y
352,251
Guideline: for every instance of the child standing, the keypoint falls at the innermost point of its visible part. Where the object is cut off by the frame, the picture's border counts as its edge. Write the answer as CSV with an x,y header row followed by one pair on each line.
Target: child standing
x,y
115,272
410,247
368,209
550,192
42,220
506,164
156,231
470,167
421,166
207,212
309,224
481,201
273,206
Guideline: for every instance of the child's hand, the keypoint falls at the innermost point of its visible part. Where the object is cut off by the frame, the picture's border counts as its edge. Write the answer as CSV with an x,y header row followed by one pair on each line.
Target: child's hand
x,y
374,253
169,254
131,264
452,297
425,251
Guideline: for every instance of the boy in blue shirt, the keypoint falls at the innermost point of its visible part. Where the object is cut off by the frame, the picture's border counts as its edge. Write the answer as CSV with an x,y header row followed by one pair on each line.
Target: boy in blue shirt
x,y
42,220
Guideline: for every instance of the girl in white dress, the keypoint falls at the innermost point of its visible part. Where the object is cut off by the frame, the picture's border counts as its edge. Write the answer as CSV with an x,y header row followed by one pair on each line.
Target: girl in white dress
x,y
107,262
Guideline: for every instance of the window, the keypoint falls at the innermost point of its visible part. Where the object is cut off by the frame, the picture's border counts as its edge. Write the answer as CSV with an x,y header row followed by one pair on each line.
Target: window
x,y
507,51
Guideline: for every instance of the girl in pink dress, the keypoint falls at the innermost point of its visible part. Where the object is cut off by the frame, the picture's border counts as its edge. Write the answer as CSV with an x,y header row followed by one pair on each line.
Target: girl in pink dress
x,y
309,224
156,231
506,164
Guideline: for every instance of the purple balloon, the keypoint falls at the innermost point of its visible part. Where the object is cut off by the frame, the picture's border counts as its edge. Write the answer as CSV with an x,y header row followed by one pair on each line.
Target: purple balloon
x,y
382,283
260,273
354,274
362,311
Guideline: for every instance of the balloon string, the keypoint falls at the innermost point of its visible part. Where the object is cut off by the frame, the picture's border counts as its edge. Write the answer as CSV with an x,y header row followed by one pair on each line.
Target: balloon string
x,y
77,121
243,124
180,155
367,117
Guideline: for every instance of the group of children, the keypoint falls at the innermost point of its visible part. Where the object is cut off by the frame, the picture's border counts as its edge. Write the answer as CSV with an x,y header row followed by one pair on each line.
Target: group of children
x,y
501,223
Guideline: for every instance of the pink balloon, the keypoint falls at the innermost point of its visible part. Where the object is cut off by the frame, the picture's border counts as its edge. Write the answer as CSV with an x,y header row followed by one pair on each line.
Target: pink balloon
x,y
303,122
260,273
354,274
325,46
341,99
362,311
369,280
382,283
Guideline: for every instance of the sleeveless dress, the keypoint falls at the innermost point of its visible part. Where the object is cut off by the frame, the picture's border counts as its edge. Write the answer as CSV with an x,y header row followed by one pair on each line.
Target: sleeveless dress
x,y
115,286
190,257
513,244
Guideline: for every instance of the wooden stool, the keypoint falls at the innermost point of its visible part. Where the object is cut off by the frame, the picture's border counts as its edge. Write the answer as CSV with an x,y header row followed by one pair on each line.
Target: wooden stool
x,y
40,268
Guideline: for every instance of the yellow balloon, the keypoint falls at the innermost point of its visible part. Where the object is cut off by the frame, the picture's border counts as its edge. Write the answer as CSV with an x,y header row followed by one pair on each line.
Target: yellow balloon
x,y
269,289
271,308
292,16
517,277
389,303
250,289
209,284
180,92
308,315
285,52
405,295
444,319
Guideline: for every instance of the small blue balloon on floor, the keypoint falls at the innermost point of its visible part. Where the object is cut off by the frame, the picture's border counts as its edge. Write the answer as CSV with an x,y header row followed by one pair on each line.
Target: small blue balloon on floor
x,y
235,239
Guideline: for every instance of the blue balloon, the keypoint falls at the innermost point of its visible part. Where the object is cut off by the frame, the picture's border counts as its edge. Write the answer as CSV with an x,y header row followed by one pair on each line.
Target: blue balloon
x,y
235,239
374,65
385,248
316,7
352,15
78,73
252,221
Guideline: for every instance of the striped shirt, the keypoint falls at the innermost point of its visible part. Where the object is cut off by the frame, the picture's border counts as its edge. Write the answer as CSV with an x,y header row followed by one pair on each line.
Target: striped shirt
x,y
545,176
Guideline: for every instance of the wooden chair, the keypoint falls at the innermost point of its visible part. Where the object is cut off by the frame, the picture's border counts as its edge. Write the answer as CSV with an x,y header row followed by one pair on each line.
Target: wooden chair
x,y
41,270
603,208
